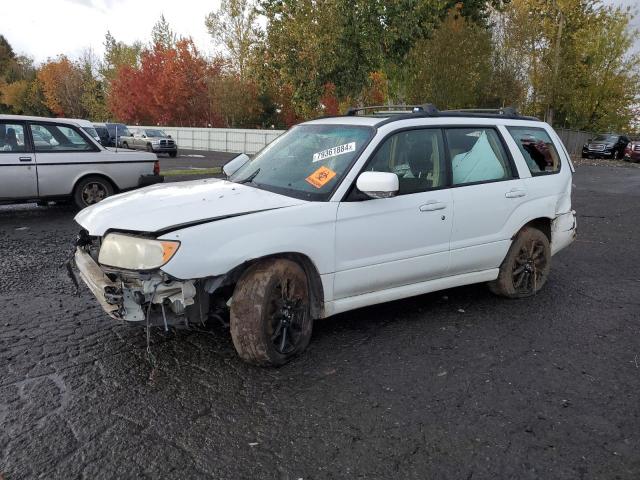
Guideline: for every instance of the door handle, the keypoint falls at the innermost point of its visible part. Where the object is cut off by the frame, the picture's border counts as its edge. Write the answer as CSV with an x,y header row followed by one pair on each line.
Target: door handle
x,y
24,159
433,206
515,193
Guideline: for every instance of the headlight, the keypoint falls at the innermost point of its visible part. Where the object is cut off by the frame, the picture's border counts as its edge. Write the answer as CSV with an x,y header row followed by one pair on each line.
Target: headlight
x,y
135,253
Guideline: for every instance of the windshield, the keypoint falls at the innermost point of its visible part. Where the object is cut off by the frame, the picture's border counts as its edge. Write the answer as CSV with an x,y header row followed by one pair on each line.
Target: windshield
x,y
306,162
91,131
154,133
605,138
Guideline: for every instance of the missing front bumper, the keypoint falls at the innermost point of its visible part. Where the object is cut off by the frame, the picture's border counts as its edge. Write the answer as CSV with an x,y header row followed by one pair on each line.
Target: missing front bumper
x,y
134,297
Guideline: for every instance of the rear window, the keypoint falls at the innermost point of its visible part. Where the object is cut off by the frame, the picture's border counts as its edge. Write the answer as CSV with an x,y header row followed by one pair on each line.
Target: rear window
x,y
537,149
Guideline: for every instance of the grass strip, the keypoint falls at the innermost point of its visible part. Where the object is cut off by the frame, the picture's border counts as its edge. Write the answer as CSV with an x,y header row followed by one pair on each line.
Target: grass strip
x,y
194,171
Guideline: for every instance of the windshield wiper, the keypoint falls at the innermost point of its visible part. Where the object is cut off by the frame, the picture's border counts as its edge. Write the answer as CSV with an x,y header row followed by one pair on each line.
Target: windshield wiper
x,y
250,178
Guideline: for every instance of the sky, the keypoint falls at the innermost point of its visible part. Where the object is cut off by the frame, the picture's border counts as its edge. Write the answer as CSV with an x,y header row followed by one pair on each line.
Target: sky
x,y
45,28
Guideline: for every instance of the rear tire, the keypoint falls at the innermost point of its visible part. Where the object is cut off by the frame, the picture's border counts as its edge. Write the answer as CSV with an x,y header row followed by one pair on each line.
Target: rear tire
x,y
91,190
526,267
270,315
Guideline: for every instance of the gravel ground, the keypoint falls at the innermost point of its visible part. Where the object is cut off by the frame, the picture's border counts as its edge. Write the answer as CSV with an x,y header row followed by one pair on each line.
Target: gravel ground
x,y
456,384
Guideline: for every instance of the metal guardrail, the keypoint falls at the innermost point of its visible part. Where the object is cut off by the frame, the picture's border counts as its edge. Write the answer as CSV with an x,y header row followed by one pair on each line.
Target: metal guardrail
x,y
221,139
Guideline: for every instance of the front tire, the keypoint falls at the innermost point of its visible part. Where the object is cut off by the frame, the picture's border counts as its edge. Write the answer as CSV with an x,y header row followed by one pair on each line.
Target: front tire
x,y
526,267
125,145
173,154
91,190
270,316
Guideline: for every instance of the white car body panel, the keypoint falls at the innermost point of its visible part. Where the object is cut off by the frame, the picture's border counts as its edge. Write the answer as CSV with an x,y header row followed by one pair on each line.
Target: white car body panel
x,y
18,175
160,207
390,242
365,252
59,172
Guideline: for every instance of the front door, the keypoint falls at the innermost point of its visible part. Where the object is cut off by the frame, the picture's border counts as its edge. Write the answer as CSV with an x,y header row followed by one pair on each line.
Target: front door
x,y
18,172
390,242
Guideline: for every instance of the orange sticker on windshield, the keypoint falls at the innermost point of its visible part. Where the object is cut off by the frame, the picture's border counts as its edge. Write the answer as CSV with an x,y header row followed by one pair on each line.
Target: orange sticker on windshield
x,y
321,177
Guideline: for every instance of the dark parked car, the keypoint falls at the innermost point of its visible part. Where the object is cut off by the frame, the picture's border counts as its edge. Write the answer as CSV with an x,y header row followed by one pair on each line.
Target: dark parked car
x,y
103,133
606,145
114,132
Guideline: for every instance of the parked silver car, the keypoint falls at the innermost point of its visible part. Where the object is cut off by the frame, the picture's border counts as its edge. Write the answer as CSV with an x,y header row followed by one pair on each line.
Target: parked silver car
x,y
149,139
44,159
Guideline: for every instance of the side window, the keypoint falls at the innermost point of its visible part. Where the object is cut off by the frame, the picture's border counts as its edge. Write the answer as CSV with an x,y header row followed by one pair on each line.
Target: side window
x,y
58,138
477,155
12,138
416,156
537,149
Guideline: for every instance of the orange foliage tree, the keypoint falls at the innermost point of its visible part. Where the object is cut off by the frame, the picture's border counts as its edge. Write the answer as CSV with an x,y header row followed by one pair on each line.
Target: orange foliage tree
x,y
62,86
169,87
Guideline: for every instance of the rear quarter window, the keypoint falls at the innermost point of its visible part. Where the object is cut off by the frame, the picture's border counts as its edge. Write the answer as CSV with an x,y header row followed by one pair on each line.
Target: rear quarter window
x,y
537,148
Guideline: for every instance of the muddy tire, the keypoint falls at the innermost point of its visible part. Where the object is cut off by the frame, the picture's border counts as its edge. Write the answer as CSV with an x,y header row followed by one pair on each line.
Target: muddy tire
x,y
526,267
270,315
90,190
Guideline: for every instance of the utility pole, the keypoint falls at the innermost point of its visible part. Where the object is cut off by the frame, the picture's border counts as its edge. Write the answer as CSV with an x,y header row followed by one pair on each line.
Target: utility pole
x,y
556,64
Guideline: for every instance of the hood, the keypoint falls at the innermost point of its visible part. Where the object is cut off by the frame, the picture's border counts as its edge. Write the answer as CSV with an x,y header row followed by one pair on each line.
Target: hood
x,y
164,207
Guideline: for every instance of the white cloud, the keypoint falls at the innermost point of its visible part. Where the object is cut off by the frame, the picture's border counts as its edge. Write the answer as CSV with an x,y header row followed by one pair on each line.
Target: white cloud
x,y
44,29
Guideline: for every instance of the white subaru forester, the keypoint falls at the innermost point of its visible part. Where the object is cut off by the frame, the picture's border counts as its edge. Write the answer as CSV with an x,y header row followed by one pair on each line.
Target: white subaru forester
x,y
336,214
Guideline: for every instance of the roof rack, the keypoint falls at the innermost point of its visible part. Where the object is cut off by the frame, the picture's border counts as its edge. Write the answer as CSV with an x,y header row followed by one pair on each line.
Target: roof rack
x,y
401,112
426,108
506,111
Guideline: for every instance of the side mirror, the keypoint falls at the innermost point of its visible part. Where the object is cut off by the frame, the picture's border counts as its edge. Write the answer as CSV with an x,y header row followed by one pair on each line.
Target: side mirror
x,y
378,184
234,165
144,136
589,139
168,136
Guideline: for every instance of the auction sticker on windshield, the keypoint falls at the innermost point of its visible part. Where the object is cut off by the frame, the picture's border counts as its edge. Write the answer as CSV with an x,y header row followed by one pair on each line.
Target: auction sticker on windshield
x,y
321,177
334,151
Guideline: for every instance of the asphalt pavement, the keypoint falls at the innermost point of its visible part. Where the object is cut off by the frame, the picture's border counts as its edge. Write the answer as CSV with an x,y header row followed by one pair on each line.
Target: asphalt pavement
x,y
457,384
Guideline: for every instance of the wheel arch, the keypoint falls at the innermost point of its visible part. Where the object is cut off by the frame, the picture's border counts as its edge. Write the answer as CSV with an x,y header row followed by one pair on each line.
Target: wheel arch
x,y
541,223
84,175
315,282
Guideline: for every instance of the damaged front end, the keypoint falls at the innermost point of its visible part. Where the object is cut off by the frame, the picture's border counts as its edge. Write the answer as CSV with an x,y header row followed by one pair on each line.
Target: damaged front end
x,y
150,297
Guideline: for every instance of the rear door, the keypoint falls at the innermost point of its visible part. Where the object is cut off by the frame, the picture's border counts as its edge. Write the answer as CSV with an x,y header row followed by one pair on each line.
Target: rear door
x,y
486,194
63,155
18,171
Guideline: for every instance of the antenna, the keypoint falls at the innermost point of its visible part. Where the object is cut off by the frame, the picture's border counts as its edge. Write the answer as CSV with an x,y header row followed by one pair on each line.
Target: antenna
x,y
116,138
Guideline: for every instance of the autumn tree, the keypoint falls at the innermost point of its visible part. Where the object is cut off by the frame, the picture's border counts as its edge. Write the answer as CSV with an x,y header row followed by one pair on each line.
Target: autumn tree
x,y
169,87
118,54
62,85
234,28
162,35
452,69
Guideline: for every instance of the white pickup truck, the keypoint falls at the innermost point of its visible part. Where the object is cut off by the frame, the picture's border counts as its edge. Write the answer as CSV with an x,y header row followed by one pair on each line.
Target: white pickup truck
x,y
44,159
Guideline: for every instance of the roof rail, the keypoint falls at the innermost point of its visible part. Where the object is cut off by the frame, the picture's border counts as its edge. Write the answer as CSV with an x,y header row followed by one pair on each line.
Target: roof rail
x,y
426,108
506,111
